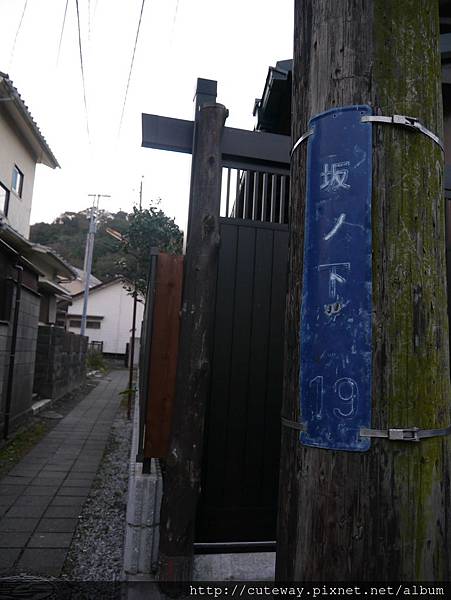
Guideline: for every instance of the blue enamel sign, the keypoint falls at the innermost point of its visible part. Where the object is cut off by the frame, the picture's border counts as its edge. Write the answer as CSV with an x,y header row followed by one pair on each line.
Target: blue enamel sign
x,y
335,372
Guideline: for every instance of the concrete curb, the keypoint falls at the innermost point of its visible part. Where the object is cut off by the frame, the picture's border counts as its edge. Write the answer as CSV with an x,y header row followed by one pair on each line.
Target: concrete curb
x,y
142,538
143,511
40,405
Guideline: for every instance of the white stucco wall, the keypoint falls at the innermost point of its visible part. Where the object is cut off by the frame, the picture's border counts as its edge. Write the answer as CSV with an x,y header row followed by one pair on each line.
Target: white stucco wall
x,y
15,151
116,306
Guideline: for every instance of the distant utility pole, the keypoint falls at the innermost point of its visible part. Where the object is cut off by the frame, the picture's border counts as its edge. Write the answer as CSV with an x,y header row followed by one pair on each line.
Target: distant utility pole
x,y
382,513
89,250
141,193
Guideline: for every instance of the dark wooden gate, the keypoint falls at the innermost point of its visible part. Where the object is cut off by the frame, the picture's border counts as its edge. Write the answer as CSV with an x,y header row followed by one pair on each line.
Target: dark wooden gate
x,y
242,431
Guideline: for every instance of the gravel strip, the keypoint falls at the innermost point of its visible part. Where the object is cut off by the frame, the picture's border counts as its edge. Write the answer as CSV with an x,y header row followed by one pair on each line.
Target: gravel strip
x,y
96,551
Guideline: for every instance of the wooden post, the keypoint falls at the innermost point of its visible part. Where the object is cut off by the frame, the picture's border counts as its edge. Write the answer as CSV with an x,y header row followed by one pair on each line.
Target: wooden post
x,y
181,484
381,514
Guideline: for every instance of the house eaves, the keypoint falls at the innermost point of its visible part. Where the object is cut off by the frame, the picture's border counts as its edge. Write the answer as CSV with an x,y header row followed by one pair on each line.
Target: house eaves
x,y
49,286
93,280
11,102
12,237
103,285
50,258
43,258
273,110
15,254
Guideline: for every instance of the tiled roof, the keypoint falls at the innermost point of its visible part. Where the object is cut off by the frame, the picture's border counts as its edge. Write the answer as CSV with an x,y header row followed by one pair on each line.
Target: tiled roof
x,y
9,93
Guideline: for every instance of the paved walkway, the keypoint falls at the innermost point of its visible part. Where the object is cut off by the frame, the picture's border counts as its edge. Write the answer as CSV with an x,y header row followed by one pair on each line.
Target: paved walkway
x,y
41,497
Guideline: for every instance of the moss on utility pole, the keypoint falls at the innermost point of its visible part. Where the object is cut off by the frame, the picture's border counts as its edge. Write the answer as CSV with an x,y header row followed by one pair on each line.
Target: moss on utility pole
x,y
382,514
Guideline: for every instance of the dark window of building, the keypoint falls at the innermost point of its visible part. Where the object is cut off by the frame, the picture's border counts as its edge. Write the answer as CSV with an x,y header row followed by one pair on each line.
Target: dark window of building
x,y
89,324
17,182
30,280
4,199
96,346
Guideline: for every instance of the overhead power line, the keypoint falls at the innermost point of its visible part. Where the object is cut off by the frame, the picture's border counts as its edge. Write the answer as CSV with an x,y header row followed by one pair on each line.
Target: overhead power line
x,y
17,33
82,68
131,68
174,20
89,19
62,32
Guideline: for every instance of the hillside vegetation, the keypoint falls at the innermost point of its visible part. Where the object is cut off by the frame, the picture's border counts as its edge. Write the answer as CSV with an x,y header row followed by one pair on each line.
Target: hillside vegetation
x,y
141,230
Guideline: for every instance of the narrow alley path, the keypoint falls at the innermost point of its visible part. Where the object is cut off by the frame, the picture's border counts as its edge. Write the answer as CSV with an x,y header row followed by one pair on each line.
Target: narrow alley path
x,y
41,497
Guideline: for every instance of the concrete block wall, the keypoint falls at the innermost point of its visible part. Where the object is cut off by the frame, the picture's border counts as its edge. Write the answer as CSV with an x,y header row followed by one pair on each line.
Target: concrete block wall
x,y
60,361
25,354
24,363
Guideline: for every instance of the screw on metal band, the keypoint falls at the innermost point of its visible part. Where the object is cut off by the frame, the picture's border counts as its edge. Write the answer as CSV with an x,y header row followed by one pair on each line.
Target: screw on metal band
x,y
403,121
303,137
408,434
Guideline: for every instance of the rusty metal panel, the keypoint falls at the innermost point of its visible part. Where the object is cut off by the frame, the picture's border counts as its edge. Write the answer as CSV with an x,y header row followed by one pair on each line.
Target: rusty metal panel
x,y
163,355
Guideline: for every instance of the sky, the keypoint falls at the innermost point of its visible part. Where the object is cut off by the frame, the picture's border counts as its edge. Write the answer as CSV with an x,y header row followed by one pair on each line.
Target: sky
x,y
233,42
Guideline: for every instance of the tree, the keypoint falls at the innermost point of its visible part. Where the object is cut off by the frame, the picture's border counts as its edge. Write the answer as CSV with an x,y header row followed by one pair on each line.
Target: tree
x,y
67,236
142,229
147,228
381,514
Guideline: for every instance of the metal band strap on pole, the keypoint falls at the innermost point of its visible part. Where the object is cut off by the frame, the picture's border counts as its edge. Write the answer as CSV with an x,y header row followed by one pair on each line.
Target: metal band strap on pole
x,y
404,121
292,424
303,137
407,434
401,120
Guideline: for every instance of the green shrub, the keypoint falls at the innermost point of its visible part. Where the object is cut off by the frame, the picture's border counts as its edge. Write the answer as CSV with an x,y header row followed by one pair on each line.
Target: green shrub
x,y
95,361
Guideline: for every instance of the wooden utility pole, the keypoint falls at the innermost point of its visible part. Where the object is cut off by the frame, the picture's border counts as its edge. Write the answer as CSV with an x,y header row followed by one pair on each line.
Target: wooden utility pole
x,y
181,481
384,513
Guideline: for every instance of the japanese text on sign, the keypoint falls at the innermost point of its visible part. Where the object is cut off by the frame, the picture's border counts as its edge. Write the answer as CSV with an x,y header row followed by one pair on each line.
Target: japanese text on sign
x,y
335,373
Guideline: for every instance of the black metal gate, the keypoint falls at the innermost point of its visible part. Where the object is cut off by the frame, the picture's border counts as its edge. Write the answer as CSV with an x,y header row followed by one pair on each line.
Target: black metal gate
x,y
242,431
241,449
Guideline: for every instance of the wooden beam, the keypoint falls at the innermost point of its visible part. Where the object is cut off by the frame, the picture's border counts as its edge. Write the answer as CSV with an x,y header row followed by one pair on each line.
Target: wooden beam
x,y
166,133
176,135
255,146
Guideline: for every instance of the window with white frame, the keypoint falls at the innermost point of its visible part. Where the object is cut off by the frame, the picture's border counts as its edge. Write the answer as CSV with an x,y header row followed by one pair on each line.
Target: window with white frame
x,y
4,199
17,182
